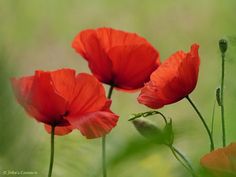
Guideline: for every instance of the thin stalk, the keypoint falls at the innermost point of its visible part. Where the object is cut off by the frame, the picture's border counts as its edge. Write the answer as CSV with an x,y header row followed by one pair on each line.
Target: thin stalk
x,y
181,162
203,121
222,99
104,169
213,119
52,151
183,157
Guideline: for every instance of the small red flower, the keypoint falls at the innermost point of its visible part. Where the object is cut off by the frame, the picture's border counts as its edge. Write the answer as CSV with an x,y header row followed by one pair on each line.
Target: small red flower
x,y
63,99
173,80
121,59
221,162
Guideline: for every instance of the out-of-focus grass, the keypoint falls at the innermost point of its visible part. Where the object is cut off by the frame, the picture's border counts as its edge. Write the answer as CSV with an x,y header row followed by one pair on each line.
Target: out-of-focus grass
x,y
38,35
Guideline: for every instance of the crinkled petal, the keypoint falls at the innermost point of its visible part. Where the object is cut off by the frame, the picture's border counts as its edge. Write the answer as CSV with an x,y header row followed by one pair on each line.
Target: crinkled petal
x,y
21,88
45,100
124,60
64,82
89,46
94,124
59,130
173,80
89,95
133,65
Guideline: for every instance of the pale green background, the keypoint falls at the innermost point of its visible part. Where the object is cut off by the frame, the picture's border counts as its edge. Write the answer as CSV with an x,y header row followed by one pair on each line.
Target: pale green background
x,y
37,34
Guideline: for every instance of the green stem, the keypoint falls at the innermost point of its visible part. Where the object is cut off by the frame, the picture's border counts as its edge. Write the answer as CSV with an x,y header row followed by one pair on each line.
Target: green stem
x,y
222,99
104,141
104,156
203,121
52,151
183,157
213,119
173,150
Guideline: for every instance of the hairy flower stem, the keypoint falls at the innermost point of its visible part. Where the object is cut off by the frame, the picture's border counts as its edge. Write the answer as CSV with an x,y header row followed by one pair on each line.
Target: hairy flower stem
x,y
52,151
222,99
176,153
203,121
104,169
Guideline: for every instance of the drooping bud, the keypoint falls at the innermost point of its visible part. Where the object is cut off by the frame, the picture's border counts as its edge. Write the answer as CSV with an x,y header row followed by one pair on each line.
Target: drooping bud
x,y
153,133
148,130
223,45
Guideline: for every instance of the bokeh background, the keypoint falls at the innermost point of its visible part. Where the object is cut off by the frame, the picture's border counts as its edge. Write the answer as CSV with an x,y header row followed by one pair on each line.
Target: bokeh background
x,y
37,34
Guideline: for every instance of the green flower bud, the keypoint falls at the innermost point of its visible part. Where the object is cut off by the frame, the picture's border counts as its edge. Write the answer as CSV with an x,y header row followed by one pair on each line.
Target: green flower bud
x,y
218,98
223,45
153,133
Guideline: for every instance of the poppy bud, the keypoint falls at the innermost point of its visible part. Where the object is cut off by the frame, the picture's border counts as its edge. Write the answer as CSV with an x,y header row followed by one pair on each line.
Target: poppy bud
x,y
153,133
218,98
223,45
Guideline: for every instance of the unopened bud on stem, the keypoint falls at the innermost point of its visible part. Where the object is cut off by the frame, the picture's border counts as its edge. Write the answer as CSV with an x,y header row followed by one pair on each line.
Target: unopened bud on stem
x,y
223,45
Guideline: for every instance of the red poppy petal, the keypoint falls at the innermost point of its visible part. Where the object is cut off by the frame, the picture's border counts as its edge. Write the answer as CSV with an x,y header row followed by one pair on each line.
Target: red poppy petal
x,y
189,69
216,160
90,95
88,45
111,38
44,98
64,81
21,88
94,124
59,130
133,65
148,96
231,153
173,80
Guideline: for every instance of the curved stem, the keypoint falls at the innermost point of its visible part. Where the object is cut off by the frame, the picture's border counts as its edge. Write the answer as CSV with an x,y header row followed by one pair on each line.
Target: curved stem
x,y
163,116
183,157
180,161
203,121
148,113
104,141
52,151
222,99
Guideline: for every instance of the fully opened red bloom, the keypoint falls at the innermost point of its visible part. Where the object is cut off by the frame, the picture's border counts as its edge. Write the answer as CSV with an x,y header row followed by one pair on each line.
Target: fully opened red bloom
x,y
121,59
63,99
173,80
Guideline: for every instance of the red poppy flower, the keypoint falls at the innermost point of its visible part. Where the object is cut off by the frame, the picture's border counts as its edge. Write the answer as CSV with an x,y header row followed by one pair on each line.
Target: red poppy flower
x,y
121,59
173,80
221,162
67,101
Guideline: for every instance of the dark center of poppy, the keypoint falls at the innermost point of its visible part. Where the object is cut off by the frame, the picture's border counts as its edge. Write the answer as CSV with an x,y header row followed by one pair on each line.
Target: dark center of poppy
x,y
65,114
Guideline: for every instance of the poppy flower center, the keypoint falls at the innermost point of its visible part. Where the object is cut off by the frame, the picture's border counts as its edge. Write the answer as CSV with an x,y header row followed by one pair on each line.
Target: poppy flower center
x,y
65,114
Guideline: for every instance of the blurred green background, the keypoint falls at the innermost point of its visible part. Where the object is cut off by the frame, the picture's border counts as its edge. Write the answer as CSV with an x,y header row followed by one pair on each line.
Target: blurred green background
x,y
37,34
